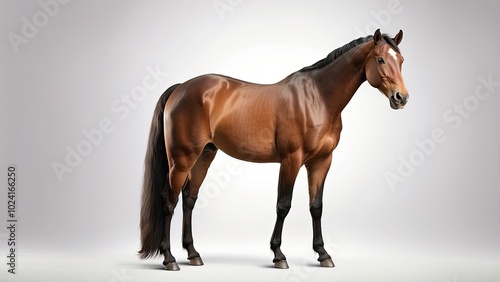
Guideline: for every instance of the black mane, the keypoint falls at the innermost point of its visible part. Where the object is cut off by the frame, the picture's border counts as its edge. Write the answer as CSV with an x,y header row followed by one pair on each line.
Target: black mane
x,y
344,49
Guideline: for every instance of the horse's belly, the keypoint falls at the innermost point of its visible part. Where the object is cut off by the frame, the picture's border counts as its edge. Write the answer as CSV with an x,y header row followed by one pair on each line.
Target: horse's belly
x,y
246,141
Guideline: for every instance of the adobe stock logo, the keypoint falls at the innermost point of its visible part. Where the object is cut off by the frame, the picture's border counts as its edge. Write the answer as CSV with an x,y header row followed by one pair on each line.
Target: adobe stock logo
x,y
121,108
225,6
454,117
220,180
31,27
381,18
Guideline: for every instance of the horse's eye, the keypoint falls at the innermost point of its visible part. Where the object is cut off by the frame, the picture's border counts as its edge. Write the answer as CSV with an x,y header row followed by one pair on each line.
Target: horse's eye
x,y
380,61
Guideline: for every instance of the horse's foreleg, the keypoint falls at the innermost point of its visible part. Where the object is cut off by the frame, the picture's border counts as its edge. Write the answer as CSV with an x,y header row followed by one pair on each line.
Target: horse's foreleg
x,y
189,196
316,172
288,173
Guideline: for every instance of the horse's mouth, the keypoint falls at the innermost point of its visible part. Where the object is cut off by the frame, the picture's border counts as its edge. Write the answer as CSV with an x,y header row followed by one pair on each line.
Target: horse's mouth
x,y
396,105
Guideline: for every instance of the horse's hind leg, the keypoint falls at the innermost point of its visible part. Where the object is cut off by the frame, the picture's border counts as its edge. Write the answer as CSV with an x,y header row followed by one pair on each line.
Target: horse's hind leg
x,y
181,160
170,203
189,196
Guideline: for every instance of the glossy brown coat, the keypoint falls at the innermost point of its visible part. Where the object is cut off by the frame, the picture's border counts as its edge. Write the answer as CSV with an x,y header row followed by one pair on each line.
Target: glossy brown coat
x,y
295,122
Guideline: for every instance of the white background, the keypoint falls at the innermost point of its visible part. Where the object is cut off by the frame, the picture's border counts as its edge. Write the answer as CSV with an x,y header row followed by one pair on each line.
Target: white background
x,y
441,224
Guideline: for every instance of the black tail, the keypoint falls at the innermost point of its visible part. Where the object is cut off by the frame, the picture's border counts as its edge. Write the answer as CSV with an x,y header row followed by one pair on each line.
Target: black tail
x,y
155,180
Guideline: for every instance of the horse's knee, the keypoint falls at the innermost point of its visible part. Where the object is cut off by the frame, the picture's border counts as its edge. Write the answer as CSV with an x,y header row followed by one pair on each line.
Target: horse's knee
x,y
188,202
282,208
169,207
316,210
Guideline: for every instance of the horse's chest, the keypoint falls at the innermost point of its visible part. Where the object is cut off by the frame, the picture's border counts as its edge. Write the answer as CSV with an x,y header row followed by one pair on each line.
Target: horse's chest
x,y
322,140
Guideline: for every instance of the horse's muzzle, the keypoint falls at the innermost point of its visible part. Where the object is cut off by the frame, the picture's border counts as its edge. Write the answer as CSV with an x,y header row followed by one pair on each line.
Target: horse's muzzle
x,y
398,100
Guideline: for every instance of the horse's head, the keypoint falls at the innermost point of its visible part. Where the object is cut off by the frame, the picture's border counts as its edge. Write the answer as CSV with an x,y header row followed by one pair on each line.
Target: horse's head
x,y
383,69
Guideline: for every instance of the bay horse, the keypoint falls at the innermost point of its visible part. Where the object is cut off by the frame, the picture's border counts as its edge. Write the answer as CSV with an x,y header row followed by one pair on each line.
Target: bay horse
x,y
301,116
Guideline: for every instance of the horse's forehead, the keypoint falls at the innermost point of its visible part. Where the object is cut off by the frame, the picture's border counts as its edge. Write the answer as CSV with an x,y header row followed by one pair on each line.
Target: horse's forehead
x,y
392,53
386,49
381,48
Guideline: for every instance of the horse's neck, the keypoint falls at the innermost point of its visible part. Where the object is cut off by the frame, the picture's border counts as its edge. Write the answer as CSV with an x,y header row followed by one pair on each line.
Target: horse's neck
x,y
339,80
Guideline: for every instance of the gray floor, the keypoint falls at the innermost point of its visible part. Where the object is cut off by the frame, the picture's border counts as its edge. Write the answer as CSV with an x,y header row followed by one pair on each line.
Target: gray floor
x,y
253,266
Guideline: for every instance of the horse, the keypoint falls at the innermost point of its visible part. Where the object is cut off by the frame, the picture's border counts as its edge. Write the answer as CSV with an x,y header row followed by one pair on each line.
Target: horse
x,y
301,120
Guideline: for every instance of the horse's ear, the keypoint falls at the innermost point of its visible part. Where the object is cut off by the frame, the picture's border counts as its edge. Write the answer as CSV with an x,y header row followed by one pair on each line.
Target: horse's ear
x,y
377,36
397,39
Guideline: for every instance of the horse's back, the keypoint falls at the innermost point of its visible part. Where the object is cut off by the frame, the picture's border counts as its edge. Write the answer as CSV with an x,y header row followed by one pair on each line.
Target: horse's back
x,y
252,122
237,116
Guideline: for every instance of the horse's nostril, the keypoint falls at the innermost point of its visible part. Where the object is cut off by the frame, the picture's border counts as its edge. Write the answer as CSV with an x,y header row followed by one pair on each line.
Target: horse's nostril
x,y
398,96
